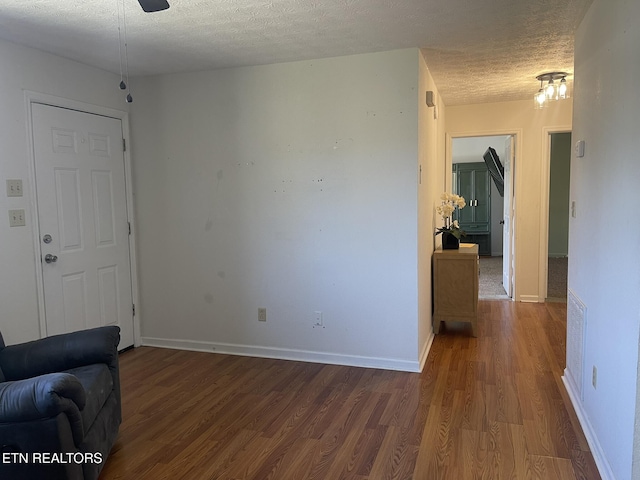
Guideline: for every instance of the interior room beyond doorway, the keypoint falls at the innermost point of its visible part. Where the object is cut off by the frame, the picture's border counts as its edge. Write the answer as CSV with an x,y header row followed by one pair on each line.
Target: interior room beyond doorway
x,y
559,213
471,178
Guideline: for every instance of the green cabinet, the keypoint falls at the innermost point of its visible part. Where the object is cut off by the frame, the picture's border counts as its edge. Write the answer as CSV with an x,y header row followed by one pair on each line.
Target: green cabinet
x,y
472,181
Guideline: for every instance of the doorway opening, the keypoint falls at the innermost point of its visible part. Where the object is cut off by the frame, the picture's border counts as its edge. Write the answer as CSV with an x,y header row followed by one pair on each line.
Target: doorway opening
x,y
558,216
490,227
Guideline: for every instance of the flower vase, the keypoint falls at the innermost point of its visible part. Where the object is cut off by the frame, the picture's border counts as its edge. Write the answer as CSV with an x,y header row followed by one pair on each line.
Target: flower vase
x,y
450,241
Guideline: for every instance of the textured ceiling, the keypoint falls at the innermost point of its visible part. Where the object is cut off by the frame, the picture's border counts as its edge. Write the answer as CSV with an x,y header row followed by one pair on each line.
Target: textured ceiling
x,y
477,50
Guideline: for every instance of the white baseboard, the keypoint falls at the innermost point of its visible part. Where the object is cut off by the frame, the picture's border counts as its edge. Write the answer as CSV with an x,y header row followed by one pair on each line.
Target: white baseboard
x,y
289,354
596,449
425,350
529,299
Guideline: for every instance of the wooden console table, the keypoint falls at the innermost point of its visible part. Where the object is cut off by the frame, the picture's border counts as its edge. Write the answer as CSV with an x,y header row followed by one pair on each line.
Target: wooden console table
x,y
455,286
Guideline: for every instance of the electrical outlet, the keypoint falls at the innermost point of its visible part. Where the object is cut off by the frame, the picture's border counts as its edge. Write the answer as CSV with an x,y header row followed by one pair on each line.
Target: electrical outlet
x,y
16,218
14,188
262,314
594,377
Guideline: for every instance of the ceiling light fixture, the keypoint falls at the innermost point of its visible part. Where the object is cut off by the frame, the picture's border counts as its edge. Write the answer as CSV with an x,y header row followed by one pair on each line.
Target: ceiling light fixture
x,y
551,91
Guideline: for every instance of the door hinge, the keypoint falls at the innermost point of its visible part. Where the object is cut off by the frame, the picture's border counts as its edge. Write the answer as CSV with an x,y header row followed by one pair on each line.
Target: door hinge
x,y
124,145
129,223
133,309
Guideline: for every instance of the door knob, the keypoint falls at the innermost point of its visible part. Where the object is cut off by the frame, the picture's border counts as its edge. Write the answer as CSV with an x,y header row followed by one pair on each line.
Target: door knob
x,y
50,258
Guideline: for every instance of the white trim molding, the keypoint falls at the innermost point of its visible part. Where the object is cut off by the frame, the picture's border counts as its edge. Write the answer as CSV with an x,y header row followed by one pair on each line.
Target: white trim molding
x,y
530,299
425,350
46,99
596,449
286,354
545,181
518,135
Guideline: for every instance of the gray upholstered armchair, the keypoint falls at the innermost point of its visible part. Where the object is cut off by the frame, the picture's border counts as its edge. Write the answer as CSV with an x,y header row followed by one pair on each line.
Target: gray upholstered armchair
x,y
59,405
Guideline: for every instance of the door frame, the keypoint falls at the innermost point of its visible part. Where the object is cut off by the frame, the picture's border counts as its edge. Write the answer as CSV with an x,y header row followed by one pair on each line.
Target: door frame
x,y
545,182
517,134
30,98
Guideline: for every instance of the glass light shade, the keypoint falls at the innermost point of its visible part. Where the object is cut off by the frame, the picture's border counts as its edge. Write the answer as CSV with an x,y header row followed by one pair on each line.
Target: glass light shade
x,y
563,89
550,91
540,99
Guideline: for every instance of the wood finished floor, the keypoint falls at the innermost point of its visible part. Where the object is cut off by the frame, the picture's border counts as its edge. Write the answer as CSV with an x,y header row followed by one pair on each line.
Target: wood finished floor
x,y
492,407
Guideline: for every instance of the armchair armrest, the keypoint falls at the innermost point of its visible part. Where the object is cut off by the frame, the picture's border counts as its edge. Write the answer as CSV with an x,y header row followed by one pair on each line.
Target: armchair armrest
x,y
61,352
40,397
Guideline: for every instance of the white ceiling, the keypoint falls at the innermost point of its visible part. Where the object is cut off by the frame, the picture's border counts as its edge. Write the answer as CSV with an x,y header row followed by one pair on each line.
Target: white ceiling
x,y
477,50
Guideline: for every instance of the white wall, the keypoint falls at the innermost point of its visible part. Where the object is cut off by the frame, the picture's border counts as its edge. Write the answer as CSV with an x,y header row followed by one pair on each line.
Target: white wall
x,y
291,187
604,253
431,158
28,69
532,127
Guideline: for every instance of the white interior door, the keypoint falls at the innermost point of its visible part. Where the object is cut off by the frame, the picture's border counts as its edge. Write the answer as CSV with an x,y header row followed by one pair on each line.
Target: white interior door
x,y
508,217
83,223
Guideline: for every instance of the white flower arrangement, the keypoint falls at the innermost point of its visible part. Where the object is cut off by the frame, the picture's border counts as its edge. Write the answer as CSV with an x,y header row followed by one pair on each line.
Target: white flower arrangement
x,y
448,205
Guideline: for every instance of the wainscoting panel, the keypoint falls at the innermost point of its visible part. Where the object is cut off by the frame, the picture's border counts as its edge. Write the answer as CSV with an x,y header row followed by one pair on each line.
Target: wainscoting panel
x,y
576,318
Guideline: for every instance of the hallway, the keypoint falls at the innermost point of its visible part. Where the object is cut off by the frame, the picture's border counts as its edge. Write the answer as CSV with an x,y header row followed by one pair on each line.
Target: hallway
x,y
490,284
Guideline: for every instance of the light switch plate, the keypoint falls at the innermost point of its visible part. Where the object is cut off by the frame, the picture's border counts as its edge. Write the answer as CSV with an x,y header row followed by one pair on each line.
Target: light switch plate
x,y
16,218
14,188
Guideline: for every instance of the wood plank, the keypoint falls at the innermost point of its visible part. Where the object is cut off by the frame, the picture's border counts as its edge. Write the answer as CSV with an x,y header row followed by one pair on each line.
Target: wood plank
x,y
490,407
